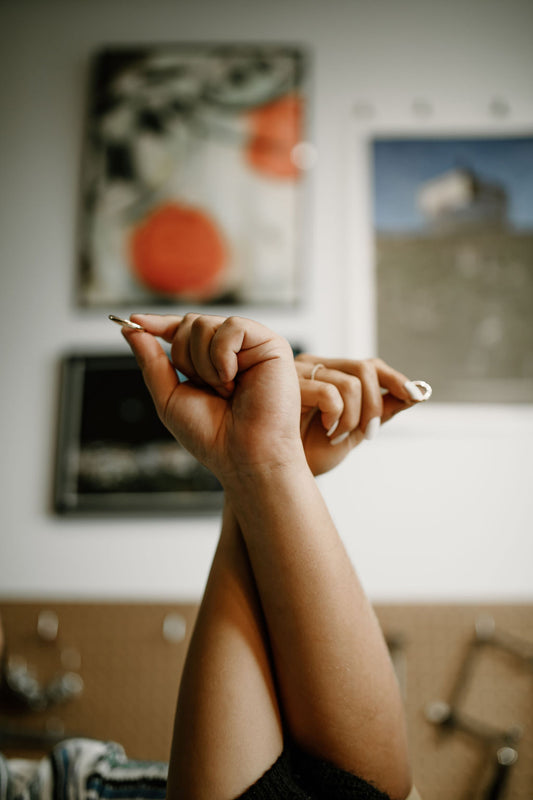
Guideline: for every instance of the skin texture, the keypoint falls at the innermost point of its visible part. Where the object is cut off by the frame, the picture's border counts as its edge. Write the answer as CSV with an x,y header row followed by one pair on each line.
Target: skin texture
x,y
284,631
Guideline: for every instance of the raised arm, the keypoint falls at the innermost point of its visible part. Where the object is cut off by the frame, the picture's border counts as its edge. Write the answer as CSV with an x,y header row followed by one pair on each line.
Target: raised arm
x,y
240,415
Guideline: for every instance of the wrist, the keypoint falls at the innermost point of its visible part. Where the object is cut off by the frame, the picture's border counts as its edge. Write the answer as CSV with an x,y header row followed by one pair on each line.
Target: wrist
x,y
257,481
272,500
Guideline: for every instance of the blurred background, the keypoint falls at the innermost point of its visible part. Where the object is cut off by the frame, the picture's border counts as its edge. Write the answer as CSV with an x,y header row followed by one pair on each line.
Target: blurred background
x,y
439,506
436,512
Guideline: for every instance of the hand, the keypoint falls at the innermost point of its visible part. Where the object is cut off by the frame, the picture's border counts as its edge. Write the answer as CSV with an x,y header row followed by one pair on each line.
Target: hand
x,y
344,404
240,407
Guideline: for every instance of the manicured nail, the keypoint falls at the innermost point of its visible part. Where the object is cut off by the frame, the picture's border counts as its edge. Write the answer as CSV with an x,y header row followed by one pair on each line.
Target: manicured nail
x,y
333,428
414,391
372,428
341,438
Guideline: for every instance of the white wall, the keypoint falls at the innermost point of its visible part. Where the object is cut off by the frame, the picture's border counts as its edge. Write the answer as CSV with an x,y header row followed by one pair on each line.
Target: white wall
x,y
439,506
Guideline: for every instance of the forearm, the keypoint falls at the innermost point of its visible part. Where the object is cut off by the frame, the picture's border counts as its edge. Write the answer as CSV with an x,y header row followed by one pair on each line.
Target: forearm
x,y
226,686
239,413
338,690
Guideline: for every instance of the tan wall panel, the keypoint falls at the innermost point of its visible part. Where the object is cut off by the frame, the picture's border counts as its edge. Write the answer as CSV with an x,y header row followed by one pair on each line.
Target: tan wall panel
x,y
131,674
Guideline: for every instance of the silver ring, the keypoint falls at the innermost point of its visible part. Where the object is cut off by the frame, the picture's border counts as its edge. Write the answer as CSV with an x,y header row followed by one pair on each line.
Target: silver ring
x,y
425,388
314,371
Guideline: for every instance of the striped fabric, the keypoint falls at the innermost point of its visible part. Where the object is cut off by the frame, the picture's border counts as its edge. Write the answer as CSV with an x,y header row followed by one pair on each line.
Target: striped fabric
x,y
83,769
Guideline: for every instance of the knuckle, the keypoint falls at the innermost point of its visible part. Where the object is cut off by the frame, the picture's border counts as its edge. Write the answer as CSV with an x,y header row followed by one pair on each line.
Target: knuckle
x,y
366,369
197,323
330,396
233,321
326,390
350,384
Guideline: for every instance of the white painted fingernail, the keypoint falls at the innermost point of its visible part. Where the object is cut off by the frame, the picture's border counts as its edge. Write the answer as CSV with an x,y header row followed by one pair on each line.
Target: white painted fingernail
x,y
333,428
414,391
372,428
341,438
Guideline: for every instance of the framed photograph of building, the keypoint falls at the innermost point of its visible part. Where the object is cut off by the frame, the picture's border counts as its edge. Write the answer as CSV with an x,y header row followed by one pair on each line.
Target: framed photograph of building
x,y
453,222
191,176
114,456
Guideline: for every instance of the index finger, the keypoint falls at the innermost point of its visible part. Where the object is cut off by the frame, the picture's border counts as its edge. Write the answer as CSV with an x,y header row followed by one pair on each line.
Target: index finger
x,y
162,325
391,379
397,383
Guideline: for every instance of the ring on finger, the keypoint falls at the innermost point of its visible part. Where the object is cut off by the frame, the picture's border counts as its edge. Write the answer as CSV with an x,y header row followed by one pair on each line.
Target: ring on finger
x,y
314,371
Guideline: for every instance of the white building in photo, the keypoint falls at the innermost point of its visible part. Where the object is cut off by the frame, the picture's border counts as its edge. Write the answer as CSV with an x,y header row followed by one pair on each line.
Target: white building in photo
x,y
459,198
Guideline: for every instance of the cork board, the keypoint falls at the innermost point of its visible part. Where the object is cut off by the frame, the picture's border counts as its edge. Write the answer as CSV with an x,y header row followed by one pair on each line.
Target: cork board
x,y
499,692
131,672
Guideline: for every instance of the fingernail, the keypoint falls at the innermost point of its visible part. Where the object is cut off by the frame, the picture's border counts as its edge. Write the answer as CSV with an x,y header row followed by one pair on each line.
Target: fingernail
x,y
333,428
414,391
341,438
372,428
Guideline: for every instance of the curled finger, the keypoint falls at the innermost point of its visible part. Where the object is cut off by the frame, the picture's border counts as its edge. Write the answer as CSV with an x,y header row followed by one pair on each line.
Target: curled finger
x,y
202,353
326,398
371,402
347,386
192,335
240,344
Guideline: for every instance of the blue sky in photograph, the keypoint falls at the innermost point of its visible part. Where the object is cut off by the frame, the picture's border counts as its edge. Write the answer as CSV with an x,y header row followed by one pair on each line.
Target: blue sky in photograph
x,y
401,165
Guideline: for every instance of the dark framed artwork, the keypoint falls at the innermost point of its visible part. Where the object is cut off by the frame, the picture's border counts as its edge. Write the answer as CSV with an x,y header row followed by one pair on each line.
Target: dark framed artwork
x,y
114,456
453,221
191,187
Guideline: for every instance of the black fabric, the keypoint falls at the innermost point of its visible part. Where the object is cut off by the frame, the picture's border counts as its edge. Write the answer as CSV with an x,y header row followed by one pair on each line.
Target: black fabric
x,y
325,781
299,776
278,783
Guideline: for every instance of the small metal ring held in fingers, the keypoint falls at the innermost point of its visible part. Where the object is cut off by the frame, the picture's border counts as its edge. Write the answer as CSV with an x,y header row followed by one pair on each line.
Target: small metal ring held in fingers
x,y
425,388
315,370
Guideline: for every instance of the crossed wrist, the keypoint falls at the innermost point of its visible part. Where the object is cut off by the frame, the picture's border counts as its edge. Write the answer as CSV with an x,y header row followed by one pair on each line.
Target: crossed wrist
x,y
259,477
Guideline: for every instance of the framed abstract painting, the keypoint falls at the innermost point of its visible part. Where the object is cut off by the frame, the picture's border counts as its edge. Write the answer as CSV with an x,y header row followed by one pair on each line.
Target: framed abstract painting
x,y
191,176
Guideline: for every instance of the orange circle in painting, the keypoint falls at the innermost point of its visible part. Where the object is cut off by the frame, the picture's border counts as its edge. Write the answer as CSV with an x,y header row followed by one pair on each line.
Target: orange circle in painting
x,y
178,250
276,129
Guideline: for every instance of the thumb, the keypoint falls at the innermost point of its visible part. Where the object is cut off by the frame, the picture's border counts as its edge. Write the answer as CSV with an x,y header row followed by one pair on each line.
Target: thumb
x,y
159,375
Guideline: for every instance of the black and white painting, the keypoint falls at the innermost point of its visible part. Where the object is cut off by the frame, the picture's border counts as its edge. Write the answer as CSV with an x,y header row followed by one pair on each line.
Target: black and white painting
x,y
114,456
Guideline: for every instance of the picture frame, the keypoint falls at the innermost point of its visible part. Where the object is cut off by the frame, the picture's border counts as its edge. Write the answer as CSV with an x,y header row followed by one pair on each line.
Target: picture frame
x,y
453,261
191,184
114,456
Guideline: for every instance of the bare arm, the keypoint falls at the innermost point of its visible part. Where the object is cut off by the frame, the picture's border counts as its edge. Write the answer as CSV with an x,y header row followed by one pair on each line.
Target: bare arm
x,y
338,690
240,415
227,728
